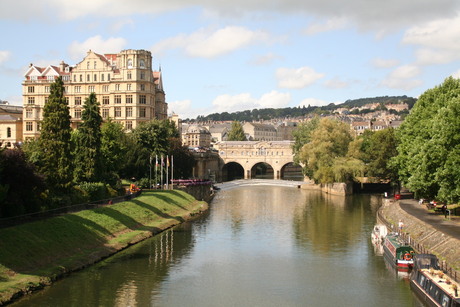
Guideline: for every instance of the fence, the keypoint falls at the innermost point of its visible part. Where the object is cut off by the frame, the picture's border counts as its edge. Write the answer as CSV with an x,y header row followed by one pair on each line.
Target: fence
x,y
420,249
32,217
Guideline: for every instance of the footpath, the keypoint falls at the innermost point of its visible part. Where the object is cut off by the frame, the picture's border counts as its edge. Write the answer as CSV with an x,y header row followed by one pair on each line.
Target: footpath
x,y
430,231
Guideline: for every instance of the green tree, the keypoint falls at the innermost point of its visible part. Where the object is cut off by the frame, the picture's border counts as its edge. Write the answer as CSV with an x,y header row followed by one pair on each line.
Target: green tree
x,y
302,136
54,142
329,141
236,133
429,144
113,150
87,154
381,150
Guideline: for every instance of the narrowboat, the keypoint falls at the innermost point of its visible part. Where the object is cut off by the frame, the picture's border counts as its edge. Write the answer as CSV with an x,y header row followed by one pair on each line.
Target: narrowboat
x,y
398,253
431,285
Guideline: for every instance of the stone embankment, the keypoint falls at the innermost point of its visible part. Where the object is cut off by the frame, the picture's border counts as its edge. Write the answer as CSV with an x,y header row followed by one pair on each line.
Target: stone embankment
x,y
338,188
431,233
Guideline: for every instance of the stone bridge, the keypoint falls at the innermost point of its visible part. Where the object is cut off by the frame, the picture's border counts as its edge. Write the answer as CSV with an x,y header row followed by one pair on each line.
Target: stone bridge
x,y
255,158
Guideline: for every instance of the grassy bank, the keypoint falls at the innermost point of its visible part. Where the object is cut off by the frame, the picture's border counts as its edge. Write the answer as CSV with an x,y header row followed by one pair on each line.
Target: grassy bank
x,y
33,255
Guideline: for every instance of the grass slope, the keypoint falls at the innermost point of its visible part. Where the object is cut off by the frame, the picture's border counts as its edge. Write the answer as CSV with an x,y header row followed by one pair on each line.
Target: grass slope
x,y
33,255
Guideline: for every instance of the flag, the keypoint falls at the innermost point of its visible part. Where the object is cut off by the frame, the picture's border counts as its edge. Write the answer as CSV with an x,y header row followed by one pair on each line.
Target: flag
x,y
167,161
156,160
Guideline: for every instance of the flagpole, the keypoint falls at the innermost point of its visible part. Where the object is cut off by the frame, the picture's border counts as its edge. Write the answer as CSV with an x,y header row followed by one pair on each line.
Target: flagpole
x,y
172,172
167,167
150,171
161,173
156,171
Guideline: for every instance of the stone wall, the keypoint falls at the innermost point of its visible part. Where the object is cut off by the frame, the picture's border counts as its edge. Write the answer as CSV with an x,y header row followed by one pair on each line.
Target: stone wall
x,y
338,188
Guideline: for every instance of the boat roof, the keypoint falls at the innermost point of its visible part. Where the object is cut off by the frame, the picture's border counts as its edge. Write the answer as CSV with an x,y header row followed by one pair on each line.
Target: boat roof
x,y
426,261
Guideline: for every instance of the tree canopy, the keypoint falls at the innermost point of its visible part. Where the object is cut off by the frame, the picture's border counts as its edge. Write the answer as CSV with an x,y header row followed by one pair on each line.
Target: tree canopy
x,y
429,148
236,133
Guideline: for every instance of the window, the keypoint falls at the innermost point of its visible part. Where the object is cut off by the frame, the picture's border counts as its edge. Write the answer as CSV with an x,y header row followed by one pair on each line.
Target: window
x,y
29,126
117,99
74,78
31,100
142,112
105,113
105,99
102,77
142,99
142,75
128,87
77,89
66,89
50,78
28,113
77,113
81,78
87,78
142,63
142,87
95,77
129,98
117,87
108,77
78,101
87,65
129,75
129,125
130,63
95,64
8,132
67,100
105,88
91,89
47,89
31,89
118,112
129,111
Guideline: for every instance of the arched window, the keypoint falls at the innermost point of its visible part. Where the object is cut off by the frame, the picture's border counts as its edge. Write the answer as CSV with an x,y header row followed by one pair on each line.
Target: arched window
x,y
130,63
142,63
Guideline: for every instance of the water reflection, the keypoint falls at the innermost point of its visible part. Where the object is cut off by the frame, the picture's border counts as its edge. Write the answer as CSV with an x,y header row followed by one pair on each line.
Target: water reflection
x,y
259,246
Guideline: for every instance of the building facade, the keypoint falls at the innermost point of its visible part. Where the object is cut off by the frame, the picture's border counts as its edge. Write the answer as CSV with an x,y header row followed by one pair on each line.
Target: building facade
x,y
10,125
196,136
126,87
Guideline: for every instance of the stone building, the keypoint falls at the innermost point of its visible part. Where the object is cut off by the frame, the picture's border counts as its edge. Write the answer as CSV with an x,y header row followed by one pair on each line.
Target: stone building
x,y
10,125
196,136
260,132
126,87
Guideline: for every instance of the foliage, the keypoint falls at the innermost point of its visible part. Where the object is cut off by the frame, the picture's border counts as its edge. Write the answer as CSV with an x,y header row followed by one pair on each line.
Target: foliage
x,y
429,148
96,190
113,150
302,136
19,183
54,142
381,150
87,154
329,141
236,133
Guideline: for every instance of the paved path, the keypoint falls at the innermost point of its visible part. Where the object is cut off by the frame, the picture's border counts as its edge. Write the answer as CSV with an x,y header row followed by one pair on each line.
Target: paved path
x,y
450,227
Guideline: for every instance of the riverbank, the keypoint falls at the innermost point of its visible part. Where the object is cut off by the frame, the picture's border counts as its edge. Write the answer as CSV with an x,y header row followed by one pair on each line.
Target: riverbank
x,y
34,255
435,233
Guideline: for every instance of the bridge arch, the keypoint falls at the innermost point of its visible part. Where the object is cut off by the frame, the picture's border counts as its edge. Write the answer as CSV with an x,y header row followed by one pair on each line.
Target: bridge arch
x,y
232,171
291,171
262,170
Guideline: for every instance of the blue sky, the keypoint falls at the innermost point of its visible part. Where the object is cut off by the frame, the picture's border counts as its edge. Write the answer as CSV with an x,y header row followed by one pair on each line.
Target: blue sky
x,y
236,55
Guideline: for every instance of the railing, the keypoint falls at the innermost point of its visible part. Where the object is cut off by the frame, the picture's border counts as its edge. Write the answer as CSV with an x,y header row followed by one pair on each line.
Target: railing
x,y
32,217
419,248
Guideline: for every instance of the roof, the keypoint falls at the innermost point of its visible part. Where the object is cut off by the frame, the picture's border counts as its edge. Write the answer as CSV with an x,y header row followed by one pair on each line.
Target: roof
x,y
8,118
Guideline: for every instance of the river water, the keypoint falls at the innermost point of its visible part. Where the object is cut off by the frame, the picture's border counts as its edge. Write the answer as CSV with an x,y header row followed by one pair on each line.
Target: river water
x,y
257,246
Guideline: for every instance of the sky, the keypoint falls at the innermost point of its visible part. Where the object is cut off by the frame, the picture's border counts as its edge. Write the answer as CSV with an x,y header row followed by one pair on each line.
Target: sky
x,y
227,56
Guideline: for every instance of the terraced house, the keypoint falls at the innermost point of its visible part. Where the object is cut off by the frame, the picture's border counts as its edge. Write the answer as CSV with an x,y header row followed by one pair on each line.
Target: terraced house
x,y
126,87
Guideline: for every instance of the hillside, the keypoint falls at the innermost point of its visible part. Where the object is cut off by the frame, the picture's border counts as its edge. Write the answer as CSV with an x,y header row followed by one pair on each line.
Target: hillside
x,y
295,112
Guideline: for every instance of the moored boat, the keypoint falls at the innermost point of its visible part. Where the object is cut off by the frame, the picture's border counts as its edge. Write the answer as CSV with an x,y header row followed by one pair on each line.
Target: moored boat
x,y
398,252
431,285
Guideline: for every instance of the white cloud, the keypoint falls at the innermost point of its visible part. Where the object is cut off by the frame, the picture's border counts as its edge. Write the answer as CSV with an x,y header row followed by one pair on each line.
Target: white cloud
x,y
456,74
265,59
329,25
244,101
437,40
336,83
297,78
315,102
78,50
403,78
4,56
384,63
207,44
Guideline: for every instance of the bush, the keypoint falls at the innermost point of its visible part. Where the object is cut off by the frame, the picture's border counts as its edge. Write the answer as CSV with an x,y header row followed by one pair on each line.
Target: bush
x,y
94,190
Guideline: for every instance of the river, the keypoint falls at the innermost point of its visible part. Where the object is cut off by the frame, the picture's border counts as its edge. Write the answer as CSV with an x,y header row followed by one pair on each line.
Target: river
x,y
257,246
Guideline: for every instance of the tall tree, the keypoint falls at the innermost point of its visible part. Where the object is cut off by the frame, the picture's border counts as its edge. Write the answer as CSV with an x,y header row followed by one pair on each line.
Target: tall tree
x,y
87,155
329,141
429,143
302,136
113,149
54,142
236,133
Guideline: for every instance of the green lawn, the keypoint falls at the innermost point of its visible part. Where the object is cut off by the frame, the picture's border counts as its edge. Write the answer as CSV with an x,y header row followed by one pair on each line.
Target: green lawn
x,y
37,253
